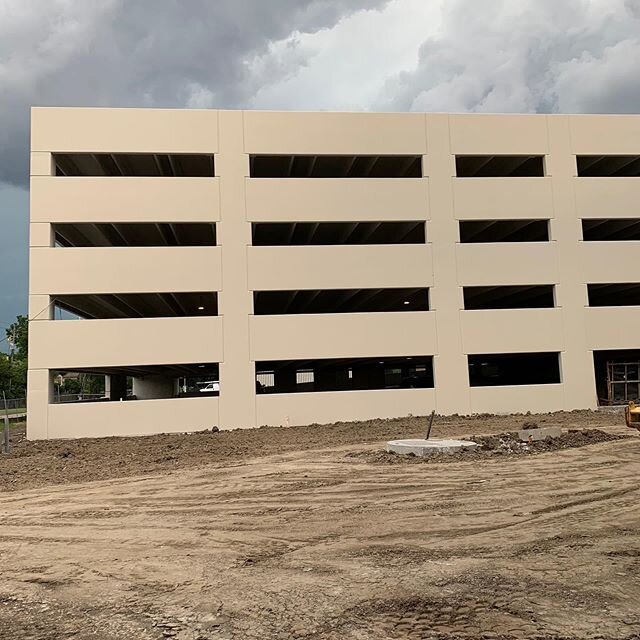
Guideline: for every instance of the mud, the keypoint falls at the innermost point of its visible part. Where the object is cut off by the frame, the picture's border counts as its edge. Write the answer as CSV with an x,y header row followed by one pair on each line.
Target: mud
x,y
302,540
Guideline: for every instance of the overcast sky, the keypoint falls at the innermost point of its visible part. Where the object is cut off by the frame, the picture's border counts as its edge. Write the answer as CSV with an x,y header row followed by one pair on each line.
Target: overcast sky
x,y
566,56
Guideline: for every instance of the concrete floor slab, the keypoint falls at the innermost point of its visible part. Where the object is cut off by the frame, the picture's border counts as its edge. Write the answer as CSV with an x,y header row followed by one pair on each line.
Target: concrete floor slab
x,y
541,433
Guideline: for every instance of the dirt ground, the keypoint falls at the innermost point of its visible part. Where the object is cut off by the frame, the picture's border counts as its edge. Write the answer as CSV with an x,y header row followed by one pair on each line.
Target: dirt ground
x,y
312,533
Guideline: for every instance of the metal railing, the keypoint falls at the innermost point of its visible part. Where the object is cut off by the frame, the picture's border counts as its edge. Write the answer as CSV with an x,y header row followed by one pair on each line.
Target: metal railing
x,y
75,397
13,403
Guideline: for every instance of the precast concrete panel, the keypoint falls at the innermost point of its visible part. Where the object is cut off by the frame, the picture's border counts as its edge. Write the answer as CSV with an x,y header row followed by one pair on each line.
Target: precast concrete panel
x,y
234,269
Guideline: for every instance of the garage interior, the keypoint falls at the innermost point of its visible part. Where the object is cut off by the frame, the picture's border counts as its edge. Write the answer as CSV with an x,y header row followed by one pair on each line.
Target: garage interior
x,y
499,166
533,296
610,229
508,369
135,305
148,382
134,164
340,301
504,231
608,166
343,233
344,374
131,234
335,166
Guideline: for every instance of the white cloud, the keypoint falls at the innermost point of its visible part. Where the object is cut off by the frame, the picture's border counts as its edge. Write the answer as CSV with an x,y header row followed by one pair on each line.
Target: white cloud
x,y
346,67
525,55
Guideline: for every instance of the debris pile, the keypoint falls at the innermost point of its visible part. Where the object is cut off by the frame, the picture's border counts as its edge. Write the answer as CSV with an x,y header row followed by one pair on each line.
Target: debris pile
x,y
494,446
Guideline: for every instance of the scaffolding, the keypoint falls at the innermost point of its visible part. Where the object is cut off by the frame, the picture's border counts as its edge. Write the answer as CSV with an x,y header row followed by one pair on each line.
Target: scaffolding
x,y
623,382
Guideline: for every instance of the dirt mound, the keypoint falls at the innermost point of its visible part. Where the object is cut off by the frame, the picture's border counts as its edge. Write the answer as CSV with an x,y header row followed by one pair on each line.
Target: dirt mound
x,y
497,446
41,463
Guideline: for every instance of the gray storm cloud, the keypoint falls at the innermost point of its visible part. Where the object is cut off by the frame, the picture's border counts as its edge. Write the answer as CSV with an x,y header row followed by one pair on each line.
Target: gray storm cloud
x,y
129,53
139,53
563,56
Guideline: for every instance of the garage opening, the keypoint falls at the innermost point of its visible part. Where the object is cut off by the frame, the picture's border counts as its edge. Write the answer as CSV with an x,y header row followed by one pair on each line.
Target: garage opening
x,y
139,234
148,382
335,166
134,164
340,301
617,376
345,374
135,305
614,295
610,229
608,166
504,231
539,296
509,369
329,233
499,166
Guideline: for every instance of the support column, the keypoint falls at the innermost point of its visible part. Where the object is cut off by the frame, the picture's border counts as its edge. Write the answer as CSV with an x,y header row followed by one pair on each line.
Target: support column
x,y
237,371
39,381
117,387
369,377
153,387
324,379
449,363
285,380
577,368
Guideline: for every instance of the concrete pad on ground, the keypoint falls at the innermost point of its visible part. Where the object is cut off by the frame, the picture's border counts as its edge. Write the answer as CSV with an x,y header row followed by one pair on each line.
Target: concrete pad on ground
x,y
429,447
541,433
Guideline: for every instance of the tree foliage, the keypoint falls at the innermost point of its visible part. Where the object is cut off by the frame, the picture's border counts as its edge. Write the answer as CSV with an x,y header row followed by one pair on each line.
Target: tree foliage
x,y
13,366
18,336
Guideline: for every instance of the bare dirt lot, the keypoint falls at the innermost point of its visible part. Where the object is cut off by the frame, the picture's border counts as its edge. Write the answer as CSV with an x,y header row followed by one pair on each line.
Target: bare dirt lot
x,y
313,533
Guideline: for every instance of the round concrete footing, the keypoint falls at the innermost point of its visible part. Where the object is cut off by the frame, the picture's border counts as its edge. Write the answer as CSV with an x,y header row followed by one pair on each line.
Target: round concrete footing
x,y
429,447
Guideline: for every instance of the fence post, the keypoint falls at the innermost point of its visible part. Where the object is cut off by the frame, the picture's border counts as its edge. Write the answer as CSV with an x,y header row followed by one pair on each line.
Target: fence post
x,y
7,443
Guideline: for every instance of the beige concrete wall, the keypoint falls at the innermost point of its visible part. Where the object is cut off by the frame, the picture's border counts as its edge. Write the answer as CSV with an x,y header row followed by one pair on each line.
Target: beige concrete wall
x,y
329,406
343,267
494,198
604,134
86,199
607,197
609,261
612,327
334,133
233,200
518,399
342,335
124,130
498,134
132,418
125,269
136,341
511,330
507,263
337,200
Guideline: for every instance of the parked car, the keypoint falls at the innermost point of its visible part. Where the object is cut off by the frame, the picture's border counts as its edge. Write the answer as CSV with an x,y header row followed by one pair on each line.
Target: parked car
x,y
210,387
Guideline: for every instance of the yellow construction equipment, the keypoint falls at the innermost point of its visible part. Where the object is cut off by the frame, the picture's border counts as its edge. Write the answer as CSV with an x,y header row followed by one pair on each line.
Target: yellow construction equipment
x,y
632,415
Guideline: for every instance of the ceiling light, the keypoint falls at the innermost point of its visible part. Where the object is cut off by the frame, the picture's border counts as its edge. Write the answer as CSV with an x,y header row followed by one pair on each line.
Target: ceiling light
x,y
200,308
406,302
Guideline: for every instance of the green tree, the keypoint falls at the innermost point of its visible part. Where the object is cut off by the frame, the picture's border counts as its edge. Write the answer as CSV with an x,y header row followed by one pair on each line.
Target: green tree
x,y
18,337
13,367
